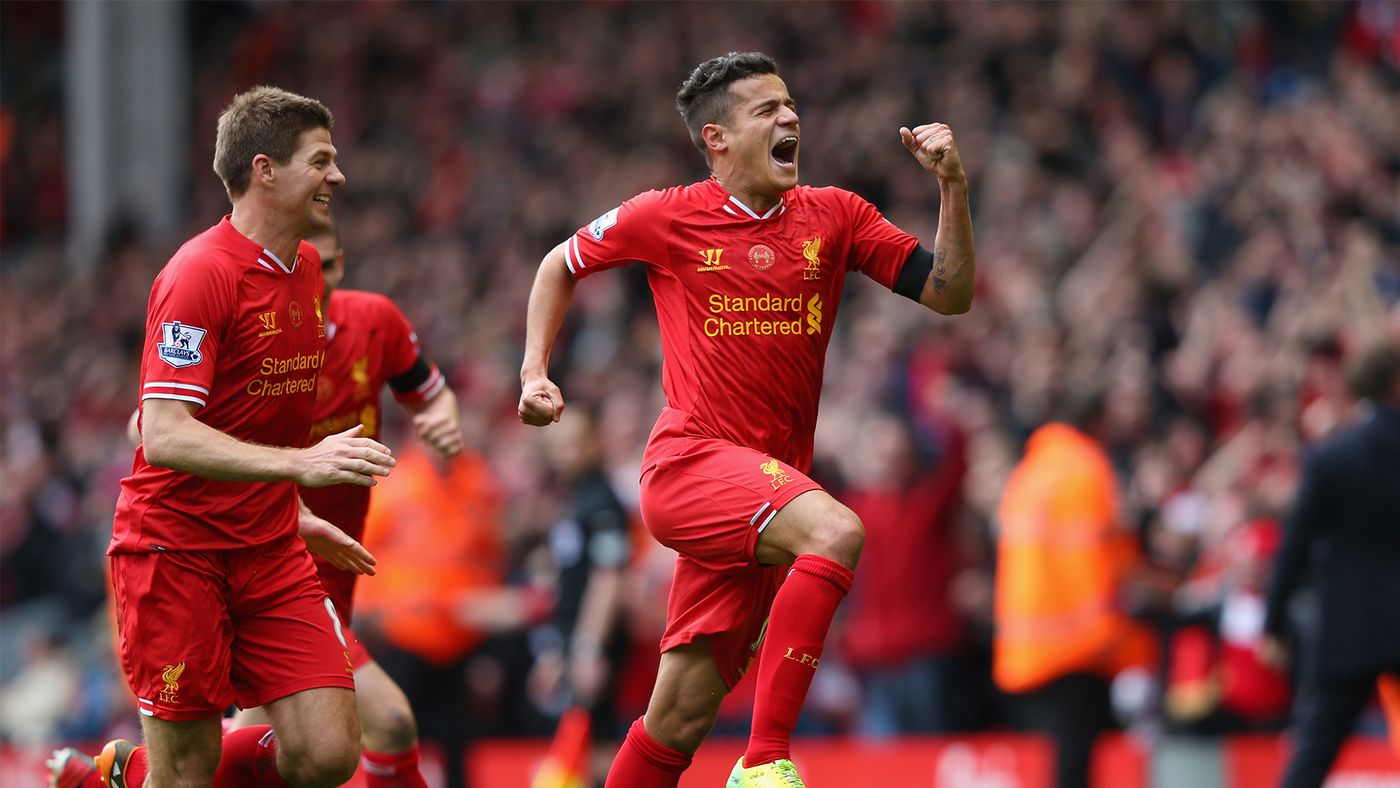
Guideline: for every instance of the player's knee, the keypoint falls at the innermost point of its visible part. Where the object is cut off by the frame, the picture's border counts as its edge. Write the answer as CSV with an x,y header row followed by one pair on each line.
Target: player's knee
x,y
390,728
684,726
842,538
191,774
330,762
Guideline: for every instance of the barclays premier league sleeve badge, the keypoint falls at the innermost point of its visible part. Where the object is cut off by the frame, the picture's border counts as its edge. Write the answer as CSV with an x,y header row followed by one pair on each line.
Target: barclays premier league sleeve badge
x,y
602,223
179,345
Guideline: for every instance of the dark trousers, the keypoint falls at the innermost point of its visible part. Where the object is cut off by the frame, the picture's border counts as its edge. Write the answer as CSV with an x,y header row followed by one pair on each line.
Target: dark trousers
x,y
440,702
1325,713
1072,711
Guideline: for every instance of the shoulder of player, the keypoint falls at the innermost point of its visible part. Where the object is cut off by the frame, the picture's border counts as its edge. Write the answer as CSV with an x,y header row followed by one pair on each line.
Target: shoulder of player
x,y
672,199
822,195
363,301
364,310
205,259
307,252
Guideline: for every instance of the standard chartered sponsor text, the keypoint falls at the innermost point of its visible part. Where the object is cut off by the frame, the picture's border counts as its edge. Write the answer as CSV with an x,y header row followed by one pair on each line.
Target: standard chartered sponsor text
x,y
722,326
301,362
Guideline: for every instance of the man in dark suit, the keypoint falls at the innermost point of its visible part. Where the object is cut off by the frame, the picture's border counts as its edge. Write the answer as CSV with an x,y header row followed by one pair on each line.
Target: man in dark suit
x,y
1346,524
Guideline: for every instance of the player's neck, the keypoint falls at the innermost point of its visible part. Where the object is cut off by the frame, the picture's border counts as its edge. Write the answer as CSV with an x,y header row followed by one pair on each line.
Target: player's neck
x,y
261,226
758,201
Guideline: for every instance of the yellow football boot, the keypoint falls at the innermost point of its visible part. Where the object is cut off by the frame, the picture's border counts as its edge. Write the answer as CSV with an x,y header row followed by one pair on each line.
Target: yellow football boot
x,y
778,774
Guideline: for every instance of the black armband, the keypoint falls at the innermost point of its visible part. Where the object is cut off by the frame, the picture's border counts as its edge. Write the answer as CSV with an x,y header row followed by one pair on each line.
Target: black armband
x,y
416,376
914,274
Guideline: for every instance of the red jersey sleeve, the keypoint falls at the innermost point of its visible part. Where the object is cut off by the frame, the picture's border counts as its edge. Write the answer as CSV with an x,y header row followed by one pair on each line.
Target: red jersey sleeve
x,y
878,248
403,356
631,232
186,320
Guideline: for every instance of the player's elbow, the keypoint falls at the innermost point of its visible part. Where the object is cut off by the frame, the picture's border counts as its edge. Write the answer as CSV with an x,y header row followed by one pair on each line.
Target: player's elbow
x,y
951,305
156,447
959,306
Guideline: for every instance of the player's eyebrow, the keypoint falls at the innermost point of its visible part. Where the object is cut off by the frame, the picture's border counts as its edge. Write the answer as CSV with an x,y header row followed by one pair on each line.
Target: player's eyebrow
x,y
773,103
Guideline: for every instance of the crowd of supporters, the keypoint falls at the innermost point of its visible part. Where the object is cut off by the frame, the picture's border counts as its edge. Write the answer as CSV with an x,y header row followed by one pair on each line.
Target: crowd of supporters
x,y
1194,208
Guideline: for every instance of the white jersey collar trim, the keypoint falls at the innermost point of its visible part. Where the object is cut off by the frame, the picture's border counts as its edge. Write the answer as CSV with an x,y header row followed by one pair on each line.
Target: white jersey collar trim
x,y
774,211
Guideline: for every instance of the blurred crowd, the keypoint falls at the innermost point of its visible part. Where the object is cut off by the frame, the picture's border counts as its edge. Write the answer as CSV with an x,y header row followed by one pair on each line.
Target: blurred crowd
x,y
1193,208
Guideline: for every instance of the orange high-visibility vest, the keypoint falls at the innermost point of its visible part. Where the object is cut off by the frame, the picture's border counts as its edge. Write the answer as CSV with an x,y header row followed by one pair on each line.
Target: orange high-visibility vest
x,y
1390,704
436,531
1061,558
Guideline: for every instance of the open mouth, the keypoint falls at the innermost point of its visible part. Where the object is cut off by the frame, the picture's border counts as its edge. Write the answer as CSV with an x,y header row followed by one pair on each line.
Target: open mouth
x,y
785,152
322,199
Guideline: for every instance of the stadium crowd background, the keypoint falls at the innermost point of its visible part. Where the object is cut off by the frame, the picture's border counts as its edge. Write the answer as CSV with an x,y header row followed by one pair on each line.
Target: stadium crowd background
x,y
1195,207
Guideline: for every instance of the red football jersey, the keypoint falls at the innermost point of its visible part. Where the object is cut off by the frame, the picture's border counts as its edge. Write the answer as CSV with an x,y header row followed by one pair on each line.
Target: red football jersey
x,y
745,302
240,333
368,343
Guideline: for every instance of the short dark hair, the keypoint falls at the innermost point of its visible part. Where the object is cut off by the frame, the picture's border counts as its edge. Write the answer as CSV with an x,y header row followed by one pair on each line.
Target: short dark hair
x,y
704,97
1375,371
263,120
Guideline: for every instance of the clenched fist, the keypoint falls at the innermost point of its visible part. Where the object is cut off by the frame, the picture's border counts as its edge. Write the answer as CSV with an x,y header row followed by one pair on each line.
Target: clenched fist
x,y
933,145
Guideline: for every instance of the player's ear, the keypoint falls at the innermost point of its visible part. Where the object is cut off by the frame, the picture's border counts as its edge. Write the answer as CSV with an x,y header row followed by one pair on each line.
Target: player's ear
x,y
263,169
713,135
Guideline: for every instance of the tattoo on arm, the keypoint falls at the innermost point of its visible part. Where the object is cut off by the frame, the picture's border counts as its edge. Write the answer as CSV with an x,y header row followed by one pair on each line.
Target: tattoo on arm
x,y
940,269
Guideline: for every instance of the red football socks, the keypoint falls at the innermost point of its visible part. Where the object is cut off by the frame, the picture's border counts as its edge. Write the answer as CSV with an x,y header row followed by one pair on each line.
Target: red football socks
x,y
391,770
134,769
643,762
250,758
797,625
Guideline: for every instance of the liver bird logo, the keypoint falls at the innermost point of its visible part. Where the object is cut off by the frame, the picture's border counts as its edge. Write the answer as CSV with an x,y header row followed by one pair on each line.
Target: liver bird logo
x,y
775,472
811,250
171,674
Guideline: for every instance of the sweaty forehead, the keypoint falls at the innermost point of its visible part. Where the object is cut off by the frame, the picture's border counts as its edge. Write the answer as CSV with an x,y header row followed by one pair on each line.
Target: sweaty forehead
x,y
759,88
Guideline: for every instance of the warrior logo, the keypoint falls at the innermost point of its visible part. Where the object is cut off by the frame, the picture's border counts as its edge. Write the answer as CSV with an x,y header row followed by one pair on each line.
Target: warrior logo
x,y
710,258
180,344
171,674
811,251
269,323
775,472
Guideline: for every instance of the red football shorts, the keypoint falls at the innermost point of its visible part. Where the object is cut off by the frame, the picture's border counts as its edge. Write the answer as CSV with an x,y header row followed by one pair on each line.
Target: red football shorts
x,y
340,585
709,500
202,629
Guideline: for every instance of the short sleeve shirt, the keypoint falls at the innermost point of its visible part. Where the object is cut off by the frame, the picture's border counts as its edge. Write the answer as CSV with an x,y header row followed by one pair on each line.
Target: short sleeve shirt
x,y
368,343
239,333
745,302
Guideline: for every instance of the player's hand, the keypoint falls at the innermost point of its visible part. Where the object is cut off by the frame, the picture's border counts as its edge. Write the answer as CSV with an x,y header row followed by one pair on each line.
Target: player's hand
x,y
541,404
588,675
1273,652
933,145
344,458
438,424
325,540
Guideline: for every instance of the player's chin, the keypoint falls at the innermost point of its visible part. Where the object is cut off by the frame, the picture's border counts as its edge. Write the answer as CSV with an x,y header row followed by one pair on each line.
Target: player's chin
x,y
784,173
318,220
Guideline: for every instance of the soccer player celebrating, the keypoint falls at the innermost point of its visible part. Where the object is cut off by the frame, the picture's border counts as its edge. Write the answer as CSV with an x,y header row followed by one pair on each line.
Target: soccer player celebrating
x,y
747,270
369,343
217,597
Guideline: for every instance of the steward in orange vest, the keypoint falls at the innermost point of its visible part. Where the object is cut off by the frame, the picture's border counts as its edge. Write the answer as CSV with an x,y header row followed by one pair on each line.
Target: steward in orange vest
x,y
1062,557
